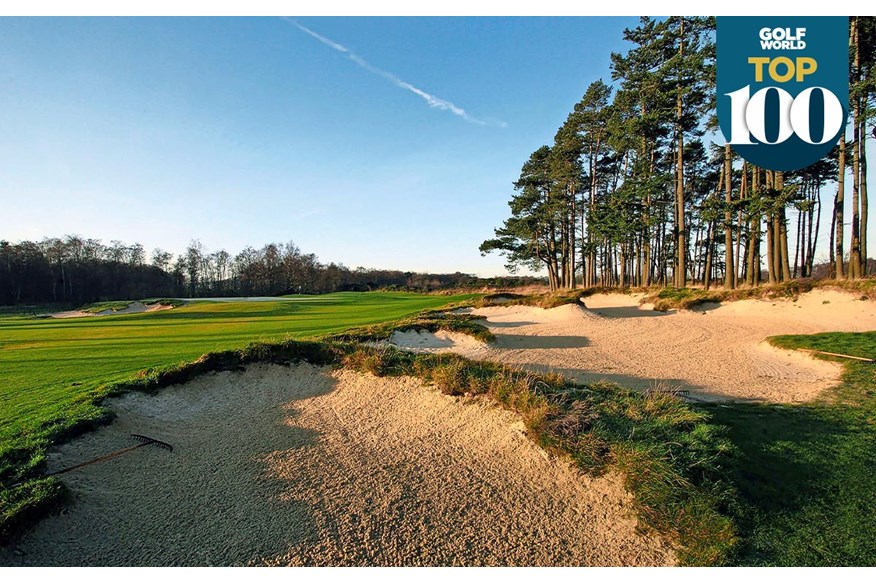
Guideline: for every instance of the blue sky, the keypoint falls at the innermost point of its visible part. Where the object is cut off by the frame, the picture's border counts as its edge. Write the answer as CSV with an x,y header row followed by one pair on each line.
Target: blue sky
x,y
244,131
249,130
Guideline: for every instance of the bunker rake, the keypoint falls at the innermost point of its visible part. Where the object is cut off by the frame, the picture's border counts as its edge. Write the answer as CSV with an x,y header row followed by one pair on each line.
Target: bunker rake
x,y
143,440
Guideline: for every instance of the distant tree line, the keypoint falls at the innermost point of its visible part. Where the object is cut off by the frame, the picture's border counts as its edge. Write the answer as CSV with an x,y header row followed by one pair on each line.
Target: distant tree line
x,y
74,270
631,193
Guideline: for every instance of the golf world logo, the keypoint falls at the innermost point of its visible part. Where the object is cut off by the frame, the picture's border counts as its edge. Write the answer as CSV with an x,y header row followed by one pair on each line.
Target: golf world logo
x,y
783,87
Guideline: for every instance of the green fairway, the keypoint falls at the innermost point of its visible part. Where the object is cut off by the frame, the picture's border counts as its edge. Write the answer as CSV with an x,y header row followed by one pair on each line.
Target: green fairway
x,y
806,478
51,370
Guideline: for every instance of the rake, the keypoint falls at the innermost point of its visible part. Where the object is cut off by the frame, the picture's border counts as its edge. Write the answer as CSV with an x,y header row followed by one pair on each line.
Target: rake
x,y
143,440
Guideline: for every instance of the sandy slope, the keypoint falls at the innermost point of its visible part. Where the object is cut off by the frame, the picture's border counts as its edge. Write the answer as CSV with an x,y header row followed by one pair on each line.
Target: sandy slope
x,y
133,308
717,352
426,342
305,466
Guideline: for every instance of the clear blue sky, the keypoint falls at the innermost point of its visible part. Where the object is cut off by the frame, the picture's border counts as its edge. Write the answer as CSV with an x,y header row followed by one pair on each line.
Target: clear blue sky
x,y
249,130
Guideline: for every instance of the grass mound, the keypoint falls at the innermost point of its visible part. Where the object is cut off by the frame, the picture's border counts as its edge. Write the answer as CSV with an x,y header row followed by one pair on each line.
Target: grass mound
x,y
174,302
432,321
113,306
548,300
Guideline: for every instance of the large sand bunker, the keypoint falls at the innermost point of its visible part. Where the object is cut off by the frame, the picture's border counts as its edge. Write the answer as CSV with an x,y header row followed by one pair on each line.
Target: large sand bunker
x,y
715,352
303,465
133,308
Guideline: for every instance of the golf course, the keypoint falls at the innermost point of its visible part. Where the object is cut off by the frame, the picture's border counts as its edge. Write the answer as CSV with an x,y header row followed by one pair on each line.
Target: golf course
x,y
307,291
669,472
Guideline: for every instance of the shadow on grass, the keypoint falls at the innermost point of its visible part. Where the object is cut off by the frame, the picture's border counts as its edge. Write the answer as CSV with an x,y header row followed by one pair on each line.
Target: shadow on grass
x,y
806,473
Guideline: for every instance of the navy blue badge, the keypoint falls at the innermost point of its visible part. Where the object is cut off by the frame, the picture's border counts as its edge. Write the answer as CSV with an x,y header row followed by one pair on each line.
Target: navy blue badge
x,y
783,87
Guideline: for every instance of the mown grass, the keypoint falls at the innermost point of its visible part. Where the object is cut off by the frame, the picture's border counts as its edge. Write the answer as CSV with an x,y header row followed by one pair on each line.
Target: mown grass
x,y
808,496
54,373
673,460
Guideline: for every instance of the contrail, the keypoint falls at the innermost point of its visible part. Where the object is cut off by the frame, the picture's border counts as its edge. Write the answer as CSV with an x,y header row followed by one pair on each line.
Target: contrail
x,y
432,100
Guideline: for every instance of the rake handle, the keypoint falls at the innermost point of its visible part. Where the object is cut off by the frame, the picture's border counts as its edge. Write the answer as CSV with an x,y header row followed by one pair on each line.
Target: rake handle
x,y
99,459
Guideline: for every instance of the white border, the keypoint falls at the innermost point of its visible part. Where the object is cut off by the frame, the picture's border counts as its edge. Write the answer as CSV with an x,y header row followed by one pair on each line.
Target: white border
x,y
443,8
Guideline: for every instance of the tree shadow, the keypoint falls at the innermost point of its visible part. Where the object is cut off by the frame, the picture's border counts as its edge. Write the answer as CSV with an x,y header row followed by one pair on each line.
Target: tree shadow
x,y
805,476
491,324
585,377
705,307
626,312
541,342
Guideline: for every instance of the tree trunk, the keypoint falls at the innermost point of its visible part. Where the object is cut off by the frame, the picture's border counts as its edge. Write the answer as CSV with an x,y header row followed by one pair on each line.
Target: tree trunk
x,y
771,231
572,283
855,243
838,210
584,263
710,245
784,267
646,275
813,233
743,188
623,266
681,245
798,243
729,269
753,269
832,247
863,170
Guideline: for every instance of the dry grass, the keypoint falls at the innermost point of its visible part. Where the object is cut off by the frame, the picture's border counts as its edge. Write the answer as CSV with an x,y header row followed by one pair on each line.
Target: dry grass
x,y
687,298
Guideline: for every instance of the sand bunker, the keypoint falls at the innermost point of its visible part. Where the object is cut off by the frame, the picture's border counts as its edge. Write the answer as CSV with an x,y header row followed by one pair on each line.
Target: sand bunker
x,y
133,308
717,352
301,465
421,341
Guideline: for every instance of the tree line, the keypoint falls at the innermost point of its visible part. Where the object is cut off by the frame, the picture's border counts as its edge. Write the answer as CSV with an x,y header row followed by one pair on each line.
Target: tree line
x,y
75,270
633,193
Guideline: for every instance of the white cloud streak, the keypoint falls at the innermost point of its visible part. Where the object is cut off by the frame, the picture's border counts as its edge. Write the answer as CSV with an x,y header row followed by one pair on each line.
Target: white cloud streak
x,y
432,100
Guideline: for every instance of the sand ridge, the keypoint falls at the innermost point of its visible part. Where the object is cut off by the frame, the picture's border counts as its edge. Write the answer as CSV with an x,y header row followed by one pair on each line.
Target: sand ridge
x,y
423,341
133,308
308,466
717,352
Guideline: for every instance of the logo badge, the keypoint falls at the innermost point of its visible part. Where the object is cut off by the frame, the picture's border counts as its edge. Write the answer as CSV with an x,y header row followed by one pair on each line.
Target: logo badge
x,y
783,87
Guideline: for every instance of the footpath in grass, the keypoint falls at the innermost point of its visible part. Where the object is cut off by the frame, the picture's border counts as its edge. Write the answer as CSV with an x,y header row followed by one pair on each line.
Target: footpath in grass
x,y
806,478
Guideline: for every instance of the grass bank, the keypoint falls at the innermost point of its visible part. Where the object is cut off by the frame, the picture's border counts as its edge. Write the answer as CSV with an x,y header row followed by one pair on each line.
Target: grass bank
x,y
807,494
432,321
546,300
